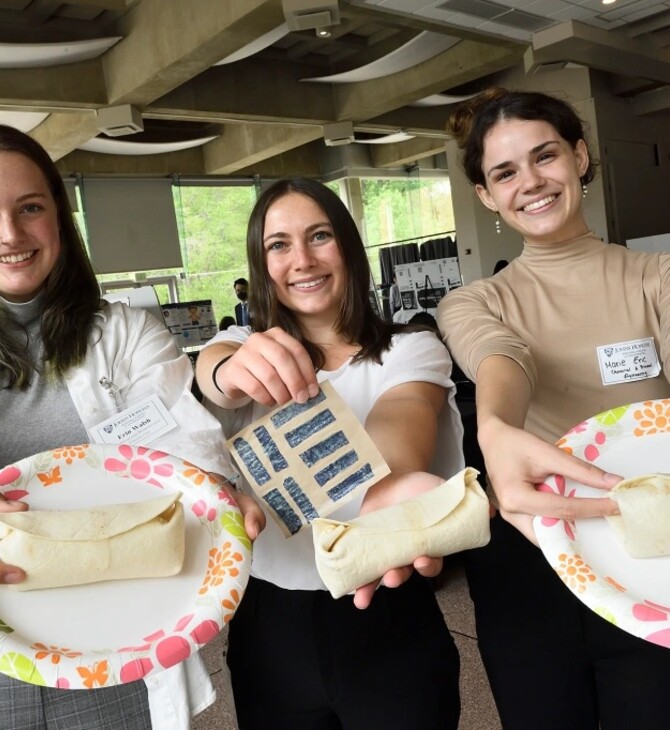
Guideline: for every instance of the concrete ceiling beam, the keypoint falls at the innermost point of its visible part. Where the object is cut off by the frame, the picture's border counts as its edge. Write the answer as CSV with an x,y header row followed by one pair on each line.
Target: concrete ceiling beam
x,y
244,145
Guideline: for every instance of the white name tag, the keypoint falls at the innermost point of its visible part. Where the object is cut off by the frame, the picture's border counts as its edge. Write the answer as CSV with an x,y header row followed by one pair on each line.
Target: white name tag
x,y
624,362
137,425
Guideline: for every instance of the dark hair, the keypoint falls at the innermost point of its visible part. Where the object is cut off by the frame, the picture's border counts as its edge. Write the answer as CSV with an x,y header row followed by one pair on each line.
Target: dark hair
x,y
500,264
241,281
357,320
71,292
471,121
226,322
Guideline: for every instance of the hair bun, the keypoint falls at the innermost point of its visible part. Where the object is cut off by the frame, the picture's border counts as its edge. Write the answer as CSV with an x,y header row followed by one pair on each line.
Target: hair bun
x,y
459,123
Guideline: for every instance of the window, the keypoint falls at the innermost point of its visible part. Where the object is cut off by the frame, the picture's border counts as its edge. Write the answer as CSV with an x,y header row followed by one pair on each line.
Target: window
x,y
404,210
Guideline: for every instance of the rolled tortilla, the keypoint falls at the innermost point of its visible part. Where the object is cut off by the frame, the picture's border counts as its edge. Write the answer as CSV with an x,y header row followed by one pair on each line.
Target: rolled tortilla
x,y
445,520
644,524
136,540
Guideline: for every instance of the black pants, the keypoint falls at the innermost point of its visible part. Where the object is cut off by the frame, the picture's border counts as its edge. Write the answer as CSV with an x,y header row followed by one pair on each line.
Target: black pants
x,y
552,662
300,659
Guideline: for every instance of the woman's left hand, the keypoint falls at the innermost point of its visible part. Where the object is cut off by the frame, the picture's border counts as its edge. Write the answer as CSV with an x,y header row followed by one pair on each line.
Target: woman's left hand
x,y
252,514
393,489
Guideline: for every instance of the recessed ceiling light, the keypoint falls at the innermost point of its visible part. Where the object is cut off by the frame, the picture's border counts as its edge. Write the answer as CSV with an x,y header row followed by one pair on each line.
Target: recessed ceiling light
x,y
609,2
323,32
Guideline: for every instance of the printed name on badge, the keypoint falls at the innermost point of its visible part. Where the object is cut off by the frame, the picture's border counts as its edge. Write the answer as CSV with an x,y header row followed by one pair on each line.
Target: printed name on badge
x,y
624,362
137,425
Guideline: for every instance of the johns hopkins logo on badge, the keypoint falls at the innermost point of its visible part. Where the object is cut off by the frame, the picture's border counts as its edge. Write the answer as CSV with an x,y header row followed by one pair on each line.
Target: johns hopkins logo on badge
x,y
609,351
108,429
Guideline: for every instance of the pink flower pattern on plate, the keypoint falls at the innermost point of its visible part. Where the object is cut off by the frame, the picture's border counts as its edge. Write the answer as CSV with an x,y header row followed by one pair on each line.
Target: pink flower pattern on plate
x,y
569,527
140,463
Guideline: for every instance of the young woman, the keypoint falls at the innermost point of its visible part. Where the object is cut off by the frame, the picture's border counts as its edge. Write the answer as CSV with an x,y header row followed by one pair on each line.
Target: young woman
x,y
57,340
298,658
528,337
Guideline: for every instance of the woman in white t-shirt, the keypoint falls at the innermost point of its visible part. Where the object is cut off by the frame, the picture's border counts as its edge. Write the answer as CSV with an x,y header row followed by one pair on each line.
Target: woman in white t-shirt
x,y
299,658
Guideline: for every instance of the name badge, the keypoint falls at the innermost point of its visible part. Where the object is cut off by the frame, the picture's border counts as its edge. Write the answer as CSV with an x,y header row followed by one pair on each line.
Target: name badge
x,y
137,425
625,362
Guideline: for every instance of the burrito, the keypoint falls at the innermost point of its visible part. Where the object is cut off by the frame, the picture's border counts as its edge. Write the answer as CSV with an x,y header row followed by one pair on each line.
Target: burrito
x,y
135,540
644,523
445,520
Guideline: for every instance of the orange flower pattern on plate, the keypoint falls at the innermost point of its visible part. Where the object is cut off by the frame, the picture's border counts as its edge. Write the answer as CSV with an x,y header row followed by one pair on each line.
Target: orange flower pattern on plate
x,y
614,584
221,562
54,652
198,476
231,604
70,453
574,572
94,675
562,444
50,477
653,417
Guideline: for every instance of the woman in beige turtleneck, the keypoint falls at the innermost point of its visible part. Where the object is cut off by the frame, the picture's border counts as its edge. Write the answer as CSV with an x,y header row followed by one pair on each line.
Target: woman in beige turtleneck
x,y
528,337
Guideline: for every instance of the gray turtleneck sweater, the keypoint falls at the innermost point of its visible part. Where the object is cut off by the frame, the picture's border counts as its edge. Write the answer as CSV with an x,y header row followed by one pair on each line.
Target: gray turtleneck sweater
x,y
43,416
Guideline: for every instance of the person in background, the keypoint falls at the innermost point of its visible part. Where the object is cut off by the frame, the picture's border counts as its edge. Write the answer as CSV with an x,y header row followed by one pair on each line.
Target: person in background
x,y
299,658
529,337
242,309
226,322
60,345
395,300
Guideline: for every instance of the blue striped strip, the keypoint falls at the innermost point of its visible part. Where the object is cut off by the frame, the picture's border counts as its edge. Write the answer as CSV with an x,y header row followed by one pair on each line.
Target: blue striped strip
x,y
335,468
283,509
299,434
295,409
351,482
251,461
324,448
278,462
300,498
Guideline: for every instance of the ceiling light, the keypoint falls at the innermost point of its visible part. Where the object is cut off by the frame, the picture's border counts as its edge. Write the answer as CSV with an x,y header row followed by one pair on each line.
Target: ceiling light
x,y
609,2
323,32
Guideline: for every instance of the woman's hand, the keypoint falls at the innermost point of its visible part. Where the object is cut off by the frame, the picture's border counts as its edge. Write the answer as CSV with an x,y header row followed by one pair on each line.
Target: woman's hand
x,y
388,491
516,461
252,514
270,367
10,573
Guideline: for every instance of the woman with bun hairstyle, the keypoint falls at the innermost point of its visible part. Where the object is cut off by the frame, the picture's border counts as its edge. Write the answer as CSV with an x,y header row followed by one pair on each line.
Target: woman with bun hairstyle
x,y
529,336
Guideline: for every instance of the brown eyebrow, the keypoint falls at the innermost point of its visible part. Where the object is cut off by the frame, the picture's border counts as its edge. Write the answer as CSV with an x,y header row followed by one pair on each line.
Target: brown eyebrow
x,y
535,150
27,196
309,229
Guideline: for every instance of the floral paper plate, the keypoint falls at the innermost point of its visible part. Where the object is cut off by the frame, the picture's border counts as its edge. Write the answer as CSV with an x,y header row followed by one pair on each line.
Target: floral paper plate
x,y
632,593
103,634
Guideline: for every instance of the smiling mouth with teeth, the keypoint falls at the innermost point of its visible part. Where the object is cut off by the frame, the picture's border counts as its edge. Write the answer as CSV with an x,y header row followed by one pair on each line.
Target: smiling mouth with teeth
x,y
308,284
16,258
539,203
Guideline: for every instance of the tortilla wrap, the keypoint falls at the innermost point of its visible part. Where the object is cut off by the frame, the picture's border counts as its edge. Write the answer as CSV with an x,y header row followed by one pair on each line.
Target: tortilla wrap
x,y
644,524
445,520
57,548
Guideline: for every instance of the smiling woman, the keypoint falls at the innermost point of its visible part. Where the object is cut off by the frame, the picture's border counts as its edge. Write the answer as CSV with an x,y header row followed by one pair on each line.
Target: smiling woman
x,y
312,321
63,353
533,337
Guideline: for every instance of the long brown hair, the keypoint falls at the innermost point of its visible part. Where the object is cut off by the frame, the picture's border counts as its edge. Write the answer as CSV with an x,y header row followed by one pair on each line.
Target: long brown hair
x,y
357,321
71,292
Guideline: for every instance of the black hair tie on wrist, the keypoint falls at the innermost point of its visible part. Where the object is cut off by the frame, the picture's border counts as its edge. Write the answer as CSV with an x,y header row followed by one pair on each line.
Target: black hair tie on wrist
x,y
216,370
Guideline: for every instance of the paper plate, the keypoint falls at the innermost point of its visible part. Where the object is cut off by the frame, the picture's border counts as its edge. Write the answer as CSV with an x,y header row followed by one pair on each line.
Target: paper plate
x,y
103,634
632,593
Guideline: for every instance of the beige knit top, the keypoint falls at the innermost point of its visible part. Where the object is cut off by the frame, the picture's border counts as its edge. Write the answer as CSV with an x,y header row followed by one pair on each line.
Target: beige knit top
x,y
549,310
